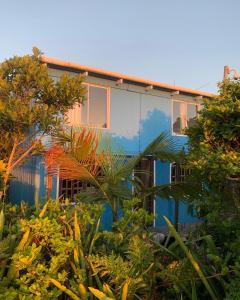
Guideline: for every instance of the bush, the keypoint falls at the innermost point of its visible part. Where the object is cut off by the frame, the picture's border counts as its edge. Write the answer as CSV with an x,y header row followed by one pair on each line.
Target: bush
x,y
60,251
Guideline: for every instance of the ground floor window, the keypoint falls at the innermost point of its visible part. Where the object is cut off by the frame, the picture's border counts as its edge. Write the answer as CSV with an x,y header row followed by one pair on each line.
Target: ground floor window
x,y
178,173
68,188
144,172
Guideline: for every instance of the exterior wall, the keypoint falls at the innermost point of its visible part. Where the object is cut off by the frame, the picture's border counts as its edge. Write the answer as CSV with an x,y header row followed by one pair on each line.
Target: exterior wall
x,y
137,117
25,182
29,182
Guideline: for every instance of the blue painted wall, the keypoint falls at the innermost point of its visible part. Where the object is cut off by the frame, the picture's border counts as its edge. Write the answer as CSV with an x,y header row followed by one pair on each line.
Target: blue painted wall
x,y
28,182
136,118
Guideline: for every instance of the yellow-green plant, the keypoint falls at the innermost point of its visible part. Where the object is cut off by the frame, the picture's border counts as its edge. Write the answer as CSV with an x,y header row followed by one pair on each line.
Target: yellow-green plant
x,y
191,259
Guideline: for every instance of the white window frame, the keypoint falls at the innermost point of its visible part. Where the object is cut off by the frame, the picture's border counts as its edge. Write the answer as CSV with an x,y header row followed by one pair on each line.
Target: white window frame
x,y
78,108
185,114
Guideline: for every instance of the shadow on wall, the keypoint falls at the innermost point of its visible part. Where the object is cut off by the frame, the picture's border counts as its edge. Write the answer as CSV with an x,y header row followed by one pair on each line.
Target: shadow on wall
x,y
148,129
155,122
31,177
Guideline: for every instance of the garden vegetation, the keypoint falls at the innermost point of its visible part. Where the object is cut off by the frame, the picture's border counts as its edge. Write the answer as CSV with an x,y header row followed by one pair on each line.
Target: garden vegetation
x,y
58,249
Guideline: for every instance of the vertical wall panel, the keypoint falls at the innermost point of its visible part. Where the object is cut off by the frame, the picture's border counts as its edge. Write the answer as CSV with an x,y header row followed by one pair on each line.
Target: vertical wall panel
x,y
155,118
163,207
22,186
124,120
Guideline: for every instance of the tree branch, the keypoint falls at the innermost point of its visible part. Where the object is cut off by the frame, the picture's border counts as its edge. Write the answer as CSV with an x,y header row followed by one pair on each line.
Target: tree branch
x,y
25,154
9,168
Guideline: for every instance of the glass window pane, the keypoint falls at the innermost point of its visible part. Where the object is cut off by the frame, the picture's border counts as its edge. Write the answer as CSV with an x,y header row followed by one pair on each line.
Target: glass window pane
x,y
84,109
178,117
98,106
191,114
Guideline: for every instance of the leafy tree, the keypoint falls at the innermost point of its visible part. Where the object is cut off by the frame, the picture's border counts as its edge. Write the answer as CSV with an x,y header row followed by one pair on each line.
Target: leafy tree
x,y
31,106
214,145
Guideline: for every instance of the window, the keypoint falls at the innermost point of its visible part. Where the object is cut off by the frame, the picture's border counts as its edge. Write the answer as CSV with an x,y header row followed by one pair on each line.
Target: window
x,y
68,188
184,116
178,173
95,110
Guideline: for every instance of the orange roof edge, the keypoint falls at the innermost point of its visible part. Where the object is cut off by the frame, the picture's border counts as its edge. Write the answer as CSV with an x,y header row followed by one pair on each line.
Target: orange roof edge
x,y
66,64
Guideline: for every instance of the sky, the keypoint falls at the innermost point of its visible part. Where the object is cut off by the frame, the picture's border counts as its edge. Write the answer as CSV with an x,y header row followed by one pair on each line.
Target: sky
x,y
181,42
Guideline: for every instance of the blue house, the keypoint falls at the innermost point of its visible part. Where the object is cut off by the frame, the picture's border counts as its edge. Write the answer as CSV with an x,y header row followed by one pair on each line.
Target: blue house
x,y
133,111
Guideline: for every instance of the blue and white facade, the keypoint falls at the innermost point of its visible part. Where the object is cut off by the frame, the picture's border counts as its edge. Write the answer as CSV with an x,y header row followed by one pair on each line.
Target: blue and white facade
x,y
132,112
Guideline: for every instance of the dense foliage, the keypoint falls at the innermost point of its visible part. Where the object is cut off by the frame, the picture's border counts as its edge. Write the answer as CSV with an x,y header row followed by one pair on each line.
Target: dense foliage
x,y
214,144
214,156
32,105
58,251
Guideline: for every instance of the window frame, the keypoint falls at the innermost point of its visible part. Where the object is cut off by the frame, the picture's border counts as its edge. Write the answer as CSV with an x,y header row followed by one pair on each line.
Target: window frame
x,y
107,88
185,114
71,187
177,202
182,176
77,109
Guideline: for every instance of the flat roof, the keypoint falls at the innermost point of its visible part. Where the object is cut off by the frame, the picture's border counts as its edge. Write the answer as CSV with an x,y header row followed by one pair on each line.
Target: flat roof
x,y
123,78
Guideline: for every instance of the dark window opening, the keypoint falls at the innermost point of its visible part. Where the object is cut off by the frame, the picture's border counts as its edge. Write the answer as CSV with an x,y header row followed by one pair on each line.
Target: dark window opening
x,y
144,172
68,188
178,173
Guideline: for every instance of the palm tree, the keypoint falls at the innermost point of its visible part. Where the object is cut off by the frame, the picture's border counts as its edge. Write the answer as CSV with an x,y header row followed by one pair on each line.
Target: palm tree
x,y
77,154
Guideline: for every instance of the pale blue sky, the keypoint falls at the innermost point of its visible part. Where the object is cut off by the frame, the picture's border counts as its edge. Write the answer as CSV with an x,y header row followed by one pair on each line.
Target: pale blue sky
x,y
186,42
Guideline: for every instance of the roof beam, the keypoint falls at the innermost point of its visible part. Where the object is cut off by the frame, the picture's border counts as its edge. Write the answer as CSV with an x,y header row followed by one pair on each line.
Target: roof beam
x,y
175,93
73,67
119,81
148,88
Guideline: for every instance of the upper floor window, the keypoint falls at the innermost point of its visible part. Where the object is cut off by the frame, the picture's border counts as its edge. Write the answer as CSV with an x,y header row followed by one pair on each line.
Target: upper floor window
x,y
94,111
184,116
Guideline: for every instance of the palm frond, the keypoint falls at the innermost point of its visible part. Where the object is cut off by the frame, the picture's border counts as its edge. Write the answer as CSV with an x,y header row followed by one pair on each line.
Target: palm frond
x,y
74,155
78,154
164,147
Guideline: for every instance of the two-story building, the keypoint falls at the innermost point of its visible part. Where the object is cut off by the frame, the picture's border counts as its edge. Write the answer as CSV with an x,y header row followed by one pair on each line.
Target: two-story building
x,y
132,111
